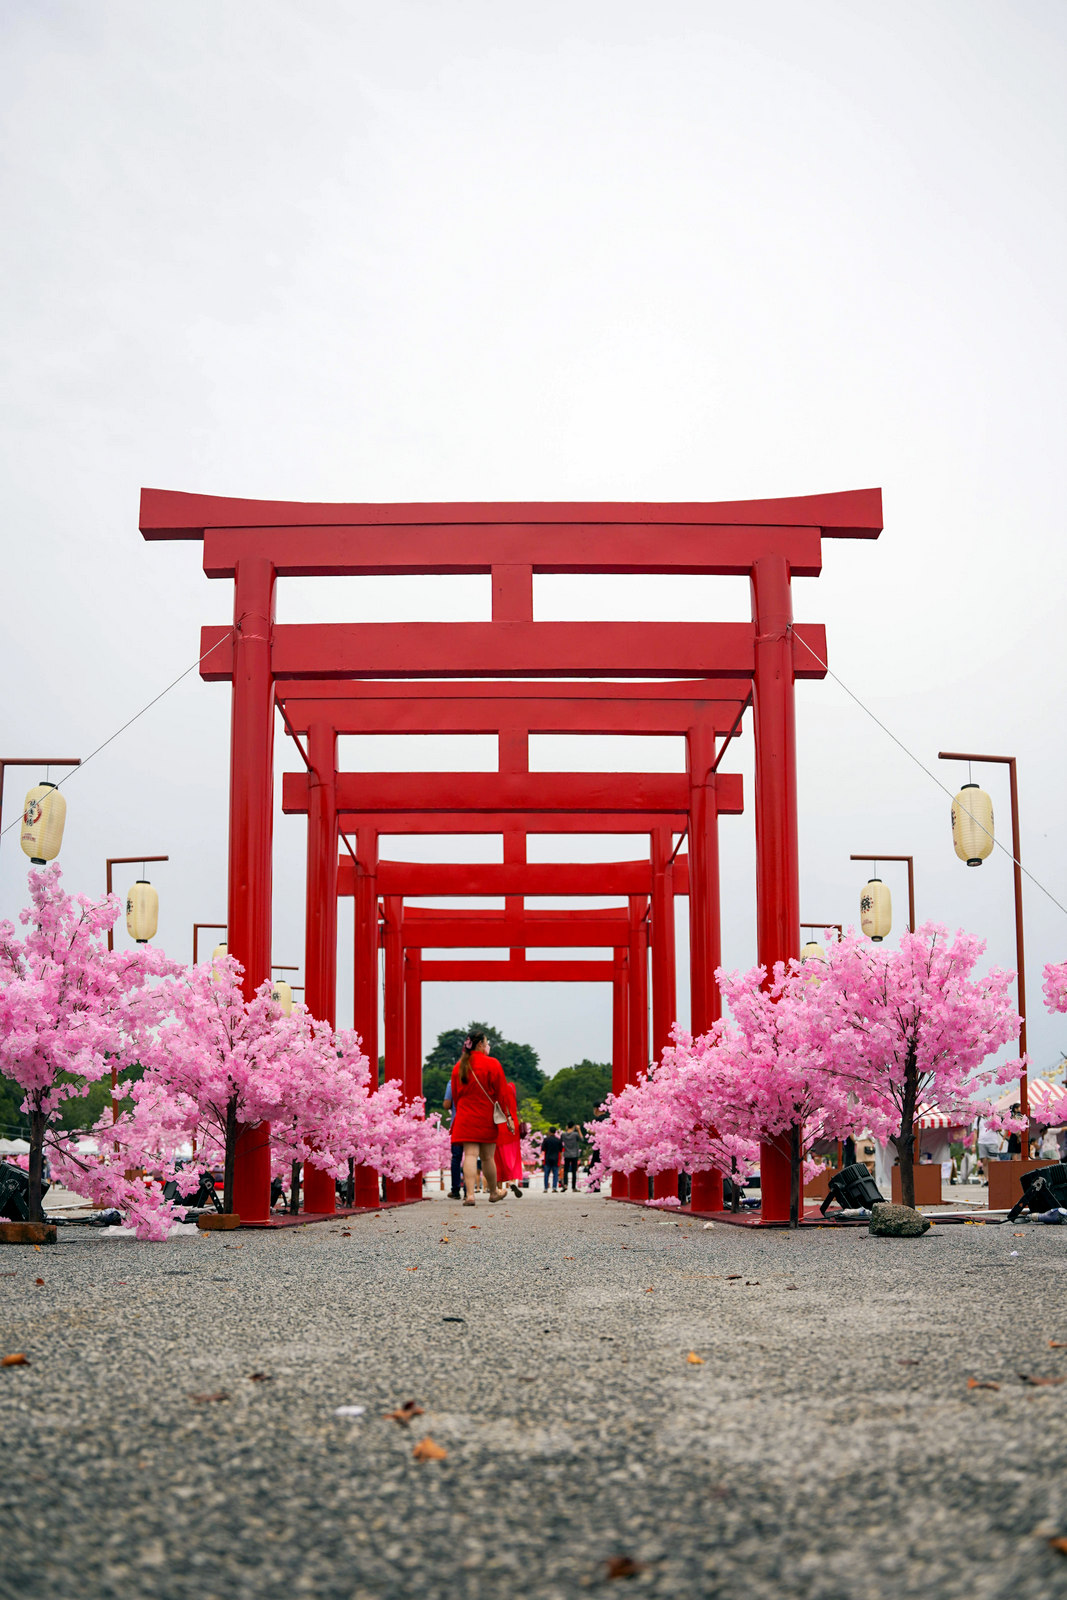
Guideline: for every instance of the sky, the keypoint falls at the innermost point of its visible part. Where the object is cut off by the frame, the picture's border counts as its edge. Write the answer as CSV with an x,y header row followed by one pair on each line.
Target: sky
x,y
444,249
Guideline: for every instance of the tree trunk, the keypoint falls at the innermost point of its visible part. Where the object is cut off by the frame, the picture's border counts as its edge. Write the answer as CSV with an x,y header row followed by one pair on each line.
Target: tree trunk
x,y
906,1138
294,1188
735,1192
38,1124
231,1152
350,1186
794,1175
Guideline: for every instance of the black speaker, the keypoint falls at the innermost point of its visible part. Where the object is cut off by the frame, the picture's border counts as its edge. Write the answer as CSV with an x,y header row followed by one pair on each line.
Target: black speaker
x,y
852,1188
1044,1189
15,1193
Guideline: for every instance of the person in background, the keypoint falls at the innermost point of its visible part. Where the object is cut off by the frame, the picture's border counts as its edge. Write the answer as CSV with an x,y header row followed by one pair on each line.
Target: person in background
x,y
572,1149
457,1148
509,1144
551,1148
478,1086
1015,1140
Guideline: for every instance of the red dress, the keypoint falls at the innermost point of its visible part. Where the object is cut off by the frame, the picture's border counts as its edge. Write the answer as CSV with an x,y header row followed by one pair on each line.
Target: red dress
x,y
509,1145
473,1101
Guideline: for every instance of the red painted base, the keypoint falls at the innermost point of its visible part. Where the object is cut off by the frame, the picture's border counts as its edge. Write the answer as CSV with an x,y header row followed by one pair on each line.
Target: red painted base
x,y
285,1219
320,1196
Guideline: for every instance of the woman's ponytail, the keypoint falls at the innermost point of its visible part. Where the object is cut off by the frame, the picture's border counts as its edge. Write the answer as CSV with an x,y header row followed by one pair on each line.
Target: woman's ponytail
x,y
465,1059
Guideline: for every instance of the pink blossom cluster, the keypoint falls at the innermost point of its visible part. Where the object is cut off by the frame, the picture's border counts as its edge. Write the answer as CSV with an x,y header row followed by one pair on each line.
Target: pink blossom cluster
x,y
1055,986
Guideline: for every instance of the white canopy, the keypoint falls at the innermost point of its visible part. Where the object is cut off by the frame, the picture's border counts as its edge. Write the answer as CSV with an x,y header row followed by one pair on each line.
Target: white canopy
x,y
14,1147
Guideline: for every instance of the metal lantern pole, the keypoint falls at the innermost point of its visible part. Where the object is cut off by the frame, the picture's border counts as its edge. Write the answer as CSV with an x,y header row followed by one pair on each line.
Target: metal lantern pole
x,y
214,926
121,861
1020,980
31,761
127,861
911,881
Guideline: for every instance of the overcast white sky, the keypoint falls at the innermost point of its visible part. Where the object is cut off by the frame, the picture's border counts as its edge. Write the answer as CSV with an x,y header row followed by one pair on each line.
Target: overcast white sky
x,y
600,249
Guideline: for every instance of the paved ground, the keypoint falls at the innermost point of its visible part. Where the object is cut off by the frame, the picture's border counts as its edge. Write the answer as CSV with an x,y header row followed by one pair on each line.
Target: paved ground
x,y
827,1448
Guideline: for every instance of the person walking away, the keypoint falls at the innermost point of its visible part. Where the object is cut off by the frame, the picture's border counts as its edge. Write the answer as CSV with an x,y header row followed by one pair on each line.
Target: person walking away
x,y
457,1147
572,1149
478,1088
551,1149
509,1144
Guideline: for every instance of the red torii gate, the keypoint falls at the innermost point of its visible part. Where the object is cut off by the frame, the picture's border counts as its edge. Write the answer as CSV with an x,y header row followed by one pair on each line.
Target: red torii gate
x,y
255,542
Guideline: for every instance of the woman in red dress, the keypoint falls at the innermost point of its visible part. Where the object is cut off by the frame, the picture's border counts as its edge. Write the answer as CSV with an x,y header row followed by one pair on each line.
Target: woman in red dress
x,y
478,1085
509,1143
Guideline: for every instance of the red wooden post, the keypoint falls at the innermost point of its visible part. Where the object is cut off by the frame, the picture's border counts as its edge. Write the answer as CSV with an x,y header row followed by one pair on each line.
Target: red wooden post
x,y
638,1180
620,1047
413,1045
394,1010
705,936
251,836
777,852
368,1186
320,920
664,982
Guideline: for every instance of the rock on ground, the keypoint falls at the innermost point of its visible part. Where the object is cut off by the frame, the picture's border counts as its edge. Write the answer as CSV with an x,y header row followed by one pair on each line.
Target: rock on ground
x,y
176,1435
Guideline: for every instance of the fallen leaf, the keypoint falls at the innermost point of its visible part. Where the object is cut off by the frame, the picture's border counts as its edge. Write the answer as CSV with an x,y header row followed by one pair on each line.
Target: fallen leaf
x,y
1053,1344
429,1450
753,1285
18,1360
39,1282
730,1276
650,1291
623,1567
453,1319
1060,1545
1041,1383
37,1248
475,1224
444,1239
260,1377
411,1269
404,1414
346,1235
974,1383
570,1258
792,1287
694,1360
209,1399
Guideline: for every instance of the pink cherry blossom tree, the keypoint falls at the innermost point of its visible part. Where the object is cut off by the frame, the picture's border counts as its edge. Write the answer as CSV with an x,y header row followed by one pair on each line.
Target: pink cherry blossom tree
x,y
226,1057
773,1078
911,1027
69,1007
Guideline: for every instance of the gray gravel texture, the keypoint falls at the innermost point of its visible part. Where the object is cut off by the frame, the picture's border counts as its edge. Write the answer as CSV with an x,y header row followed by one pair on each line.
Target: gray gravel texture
x,y
827,1448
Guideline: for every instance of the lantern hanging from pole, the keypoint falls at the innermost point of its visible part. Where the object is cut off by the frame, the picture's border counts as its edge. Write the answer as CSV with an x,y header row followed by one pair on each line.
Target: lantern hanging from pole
x,y
142,911
813,951
282,993
876,910
43,817
972,824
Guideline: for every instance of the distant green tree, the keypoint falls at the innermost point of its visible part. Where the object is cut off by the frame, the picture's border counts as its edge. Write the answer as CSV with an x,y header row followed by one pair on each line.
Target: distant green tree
x,y
13,1125
519,1061
530,1112
82,1112
575,1093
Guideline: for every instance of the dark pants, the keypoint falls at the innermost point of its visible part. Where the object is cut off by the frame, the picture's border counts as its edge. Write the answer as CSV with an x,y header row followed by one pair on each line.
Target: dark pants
x,y
551,1171
457,1168
570,1170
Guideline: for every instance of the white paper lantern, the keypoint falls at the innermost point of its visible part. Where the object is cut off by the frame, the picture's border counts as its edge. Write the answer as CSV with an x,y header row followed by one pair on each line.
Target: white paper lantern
x,y
813,952
972,824
876,910
220,952
283,994
142,911
43,817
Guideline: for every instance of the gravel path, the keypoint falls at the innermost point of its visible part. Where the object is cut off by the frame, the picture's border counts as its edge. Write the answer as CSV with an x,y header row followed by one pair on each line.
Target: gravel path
x,y
827,1447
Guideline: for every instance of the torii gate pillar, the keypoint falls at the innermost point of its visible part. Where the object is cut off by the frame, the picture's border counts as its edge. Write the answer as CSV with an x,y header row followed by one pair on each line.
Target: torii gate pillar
x,y
249,888
777,847
638,1180
705,935
320,920
664,979
620,1048
368,1190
